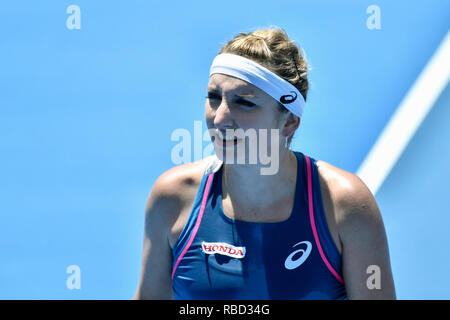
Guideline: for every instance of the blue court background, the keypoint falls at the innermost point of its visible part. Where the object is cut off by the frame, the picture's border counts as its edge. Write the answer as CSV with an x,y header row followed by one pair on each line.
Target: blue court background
x,y
86,118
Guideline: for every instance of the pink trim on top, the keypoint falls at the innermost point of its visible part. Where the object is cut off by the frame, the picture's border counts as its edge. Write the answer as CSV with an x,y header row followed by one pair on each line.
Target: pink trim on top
x,y
313,224
197,223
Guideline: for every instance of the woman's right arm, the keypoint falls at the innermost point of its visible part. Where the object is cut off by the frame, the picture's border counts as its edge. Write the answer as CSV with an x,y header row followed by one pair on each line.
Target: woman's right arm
x,y
163,206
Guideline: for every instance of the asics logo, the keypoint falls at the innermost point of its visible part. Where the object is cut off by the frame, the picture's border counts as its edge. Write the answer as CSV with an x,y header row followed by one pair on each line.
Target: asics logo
x,y
290,263
288,98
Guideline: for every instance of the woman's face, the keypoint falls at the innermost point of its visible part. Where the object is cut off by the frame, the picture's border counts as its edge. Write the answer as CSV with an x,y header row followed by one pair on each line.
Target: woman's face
x,y
233,103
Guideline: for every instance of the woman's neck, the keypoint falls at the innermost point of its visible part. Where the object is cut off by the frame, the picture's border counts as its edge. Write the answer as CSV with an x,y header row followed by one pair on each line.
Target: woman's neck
x,y
245,183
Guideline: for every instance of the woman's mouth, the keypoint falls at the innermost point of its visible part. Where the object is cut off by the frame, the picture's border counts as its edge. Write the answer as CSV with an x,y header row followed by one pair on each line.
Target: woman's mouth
x,y
225,140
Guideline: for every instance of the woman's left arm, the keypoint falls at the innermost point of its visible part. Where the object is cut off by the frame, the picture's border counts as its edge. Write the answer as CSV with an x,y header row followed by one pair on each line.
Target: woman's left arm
x,y
365,254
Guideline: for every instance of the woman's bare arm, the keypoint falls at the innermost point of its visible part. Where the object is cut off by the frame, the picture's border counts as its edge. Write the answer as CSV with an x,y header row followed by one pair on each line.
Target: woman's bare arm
x,y
162,207
366,263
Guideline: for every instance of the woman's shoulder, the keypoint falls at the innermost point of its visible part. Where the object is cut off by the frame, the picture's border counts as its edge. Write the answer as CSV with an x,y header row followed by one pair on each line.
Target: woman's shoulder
x,y
175,190
344,185
173,193
339,180
179,180
354,204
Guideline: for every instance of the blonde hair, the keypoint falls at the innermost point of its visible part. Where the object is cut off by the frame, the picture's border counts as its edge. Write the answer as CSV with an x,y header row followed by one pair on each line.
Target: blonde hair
x,y
272,48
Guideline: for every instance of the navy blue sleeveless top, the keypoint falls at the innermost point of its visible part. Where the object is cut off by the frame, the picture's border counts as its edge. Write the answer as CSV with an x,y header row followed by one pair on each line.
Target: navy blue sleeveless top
x,y
217,257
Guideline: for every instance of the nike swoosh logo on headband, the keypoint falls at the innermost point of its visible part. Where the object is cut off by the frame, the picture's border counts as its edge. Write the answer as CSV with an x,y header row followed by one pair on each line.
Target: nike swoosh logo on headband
x,y
288,98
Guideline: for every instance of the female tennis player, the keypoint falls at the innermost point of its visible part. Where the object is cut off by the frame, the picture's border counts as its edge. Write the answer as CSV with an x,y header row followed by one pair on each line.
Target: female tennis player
x,y
219,229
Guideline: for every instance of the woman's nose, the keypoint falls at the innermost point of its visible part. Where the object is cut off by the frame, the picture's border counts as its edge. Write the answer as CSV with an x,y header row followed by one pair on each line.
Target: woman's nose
x,y
223,116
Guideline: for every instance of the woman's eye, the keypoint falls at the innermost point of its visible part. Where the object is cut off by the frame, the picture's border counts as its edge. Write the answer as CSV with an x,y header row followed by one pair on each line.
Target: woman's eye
x,y
246,103
213,96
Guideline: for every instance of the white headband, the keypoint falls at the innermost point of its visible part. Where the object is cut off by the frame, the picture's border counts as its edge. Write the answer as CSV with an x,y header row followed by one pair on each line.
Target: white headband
x,y
261,77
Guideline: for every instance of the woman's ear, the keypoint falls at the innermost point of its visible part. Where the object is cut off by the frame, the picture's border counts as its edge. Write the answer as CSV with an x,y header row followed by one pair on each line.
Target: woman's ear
x,y
291,124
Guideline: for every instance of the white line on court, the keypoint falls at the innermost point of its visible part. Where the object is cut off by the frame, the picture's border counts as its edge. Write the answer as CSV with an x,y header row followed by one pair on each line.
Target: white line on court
x,y
407,118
